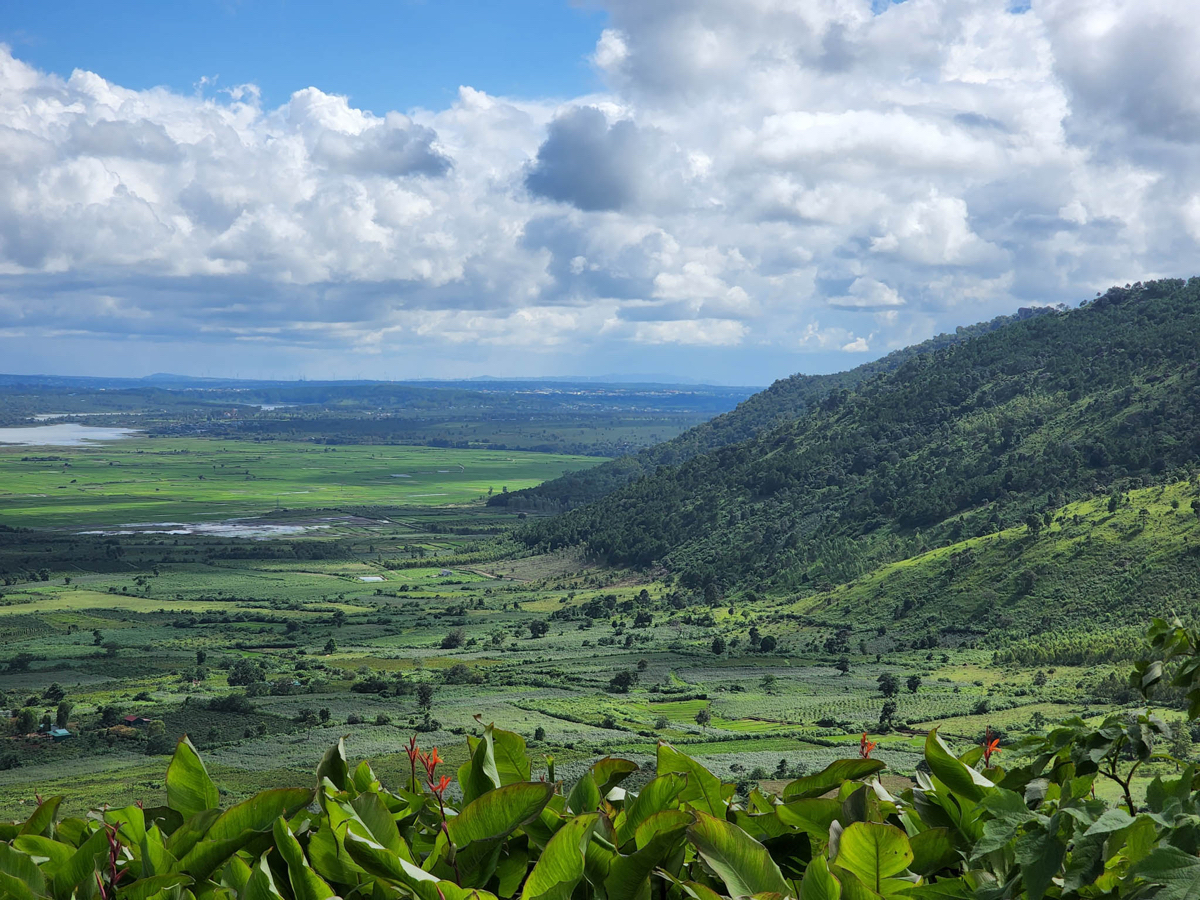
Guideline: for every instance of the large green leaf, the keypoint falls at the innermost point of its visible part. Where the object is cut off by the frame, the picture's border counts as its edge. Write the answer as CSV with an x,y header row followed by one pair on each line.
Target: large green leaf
x,y
1176,871
585,796
611,771
150,888
876,853
703,791
508,750
831,777
261,884
659,793
238,826
306,884
560,866
479,774
333,766
629,876
952,772
812,815
42,820
189,789
738,859
499,813
82,865
819,883
933,850
20,877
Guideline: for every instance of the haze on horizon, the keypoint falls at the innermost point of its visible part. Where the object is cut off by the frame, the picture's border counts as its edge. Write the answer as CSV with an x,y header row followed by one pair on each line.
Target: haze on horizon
x,y
727,190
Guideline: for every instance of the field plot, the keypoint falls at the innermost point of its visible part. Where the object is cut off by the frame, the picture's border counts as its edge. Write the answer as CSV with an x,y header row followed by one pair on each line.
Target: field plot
x,y
306,593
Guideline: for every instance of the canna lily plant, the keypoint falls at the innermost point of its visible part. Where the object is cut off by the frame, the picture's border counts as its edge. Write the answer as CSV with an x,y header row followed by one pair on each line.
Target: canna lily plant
x,y
967,828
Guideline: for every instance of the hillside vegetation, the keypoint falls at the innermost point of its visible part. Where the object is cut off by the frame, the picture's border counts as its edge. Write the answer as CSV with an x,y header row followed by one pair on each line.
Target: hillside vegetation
x,y
960,442
785,400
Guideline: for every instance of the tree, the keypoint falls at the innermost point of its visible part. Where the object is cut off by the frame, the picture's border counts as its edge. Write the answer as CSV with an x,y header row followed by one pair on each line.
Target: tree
x,y
767,645
157,742
323,714
539,733
769,682
63,714
703,717
642,664
887,714
54,693
538,628
889,685
913,683
718,645
201,657
245,671
109,716
330,647
111,648
26,721
843,665
622,682
339,618
1196,507
454,639
425,692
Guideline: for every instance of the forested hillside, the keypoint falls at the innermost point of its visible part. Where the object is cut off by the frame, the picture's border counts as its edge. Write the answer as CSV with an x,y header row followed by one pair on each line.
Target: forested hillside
x,y
961,441
785,400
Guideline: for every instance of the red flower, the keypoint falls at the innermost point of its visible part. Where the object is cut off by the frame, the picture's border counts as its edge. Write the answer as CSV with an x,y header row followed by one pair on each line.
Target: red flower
x,y
430,761
440,788
865,747
990,745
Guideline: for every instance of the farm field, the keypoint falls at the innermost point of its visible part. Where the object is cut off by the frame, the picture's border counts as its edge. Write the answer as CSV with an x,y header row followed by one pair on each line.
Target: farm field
x,y
380,605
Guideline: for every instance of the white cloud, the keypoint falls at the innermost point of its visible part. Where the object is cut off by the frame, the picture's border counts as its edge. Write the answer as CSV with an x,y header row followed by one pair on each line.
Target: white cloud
x,y
749,165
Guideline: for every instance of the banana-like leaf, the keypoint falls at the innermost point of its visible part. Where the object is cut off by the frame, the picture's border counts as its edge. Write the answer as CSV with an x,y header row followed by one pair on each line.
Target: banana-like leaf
x,y
819,883
952,772
659,793
933,850
20,878
147,888
704,791
306,884
333,766
611,771
629,876
738,859
812,815
876,853
585,796
831,777
499,813
189,789
261,885
561,865
42,820
82,865
238,826
479,774
51,855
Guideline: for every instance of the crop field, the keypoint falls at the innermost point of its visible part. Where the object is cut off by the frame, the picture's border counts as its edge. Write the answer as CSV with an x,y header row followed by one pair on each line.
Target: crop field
x,y
376,605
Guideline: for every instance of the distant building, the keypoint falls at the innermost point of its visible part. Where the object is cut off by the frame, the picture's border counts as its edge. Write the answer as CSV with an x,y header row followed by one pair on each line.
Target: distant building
x,y
59,734
135,721
444,572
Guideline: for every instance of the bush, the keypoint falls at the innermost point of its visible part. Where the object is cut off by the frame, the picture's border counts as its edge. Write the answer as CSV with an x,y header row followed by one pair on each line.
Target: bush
x,y
231,703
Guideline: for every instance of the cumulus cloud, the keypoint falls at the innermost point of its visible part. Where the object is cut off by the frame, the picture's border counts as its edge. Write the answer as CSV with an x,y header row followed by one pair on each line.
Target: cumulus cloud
x,y
755,181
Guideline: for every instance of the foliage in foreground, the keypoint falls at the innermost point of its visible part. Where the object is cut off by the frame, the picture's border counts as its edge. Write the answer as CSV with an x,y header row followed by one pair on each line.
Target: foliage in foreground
x,y
968,828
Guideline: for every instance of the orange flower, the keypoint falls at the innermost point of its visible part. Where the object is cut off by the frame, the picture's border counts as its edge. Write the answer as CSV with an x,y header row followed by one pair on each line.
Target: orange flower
x,y
430,761
440,787
865,747
990,745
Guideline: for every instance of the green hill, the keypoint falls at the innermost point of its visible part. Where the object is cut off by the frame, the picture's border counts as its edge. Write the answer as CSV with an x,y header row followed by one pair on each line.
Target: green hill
x,y
785,400
964,441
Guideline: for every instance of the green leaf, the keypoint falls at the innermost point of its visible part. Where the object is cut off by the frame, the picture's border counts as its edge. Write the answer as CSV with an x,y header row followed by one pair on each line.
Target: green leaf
x,y
819,883
738,859
261,885
1041,858
306,884
189,789
334,766
1176,871
660,835
146,888
703,791
20,877
932,850
611,771
375,859
560,866
959,778
585,796
497,814
875,853
42,820
812,815
659,793
81,865
479,774
508,750
234,829
831,778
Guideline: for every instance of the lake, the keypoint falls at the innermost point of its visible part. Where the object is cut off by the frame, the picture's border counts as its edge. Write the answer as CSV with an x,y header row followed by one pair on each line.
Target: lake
x,y
64,435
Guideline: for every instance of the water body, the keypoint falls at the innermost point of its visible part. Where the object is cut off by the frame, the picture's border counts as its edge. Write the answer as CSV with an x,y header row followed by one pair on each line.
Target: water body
x,y
249,530
66,434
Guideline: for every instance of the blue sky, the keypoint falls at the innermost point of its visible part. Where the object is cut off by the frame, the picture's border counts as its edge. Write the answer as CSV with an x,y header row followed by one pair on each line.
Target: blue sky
x,y
384,55
730,190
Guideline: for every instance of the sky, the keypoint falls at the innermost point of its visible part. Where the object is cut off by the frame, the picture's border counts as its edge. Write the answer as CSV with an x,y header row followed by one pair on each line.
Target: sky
x,y
723,190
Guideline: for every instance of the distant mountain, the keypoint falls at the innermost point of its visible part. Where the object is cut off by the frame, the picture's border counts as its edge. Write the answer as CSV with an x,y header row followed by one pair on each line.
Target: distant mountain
x,y
783,401
964,440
